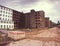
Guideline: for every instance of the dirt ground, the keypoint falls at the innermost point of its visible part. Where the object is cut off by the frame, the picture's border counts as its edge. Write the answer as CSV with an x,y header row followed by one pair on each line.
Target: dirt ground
x,y
47,37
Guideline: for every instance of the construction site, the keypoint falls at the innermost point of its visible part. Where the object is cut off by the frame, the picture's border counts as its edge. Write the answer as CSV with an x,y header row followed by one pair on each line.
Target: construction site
x,y
28,29
29,23
34,37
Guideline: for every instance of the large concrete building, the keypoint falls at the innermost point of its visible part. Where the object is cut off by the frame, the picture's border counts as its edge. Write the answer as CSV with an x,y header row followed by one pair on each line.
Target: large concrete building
x,y
12,19
19,19
47,22
6,21
35,19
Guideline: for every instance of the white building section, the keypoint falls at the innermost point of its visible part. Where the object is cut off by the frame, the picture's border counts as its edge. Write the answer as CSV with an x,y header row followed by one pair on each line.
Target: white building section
x,y
6,18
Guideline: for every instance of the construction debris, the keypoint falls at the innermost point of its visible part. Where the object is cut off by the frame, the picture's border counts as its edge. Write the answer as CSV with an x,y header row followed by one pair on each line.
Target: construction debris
x,y
48,37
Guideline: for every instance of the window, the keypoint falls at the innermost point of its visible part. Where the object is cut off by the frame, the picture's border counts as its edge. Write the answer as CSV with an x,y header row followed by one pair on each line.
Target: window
x,y
3,18
6,12
9,9
9,22
12,26
37,17
1,26
37,21
7,26
3,15
3,11
4,26
6,15
8,19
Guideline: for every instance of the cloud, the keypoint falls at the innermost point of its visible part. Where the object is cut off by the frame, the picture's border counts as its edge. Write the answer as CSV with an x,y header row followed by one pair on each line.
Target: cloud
x,y
22,2
51,7
2,2
27,2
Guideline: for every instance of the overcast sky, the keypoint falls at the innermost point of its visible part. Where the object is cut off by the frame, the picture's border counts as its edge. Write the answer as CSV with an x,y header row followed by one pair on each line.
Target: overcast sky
x,y
51,7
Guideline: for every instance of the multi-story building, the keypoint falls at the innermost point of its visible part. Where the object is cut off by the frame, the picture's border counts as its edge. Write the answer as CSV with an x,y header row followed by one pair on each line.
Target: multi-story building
x,y
52,24
47,22
35,19
12,19
19,19
6,21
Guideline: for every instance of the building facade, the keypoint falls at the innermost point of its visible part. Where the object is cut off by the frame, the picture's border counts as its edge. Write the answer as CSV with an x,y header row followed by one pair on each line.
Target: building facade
x,y
19,19
47,22
6,21
12,19
35,19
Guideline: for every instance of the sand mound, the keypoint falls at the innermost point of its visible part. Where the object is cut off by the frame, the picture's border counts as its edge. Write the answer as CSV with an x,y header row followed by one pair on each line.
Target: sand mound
x,y
53,32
